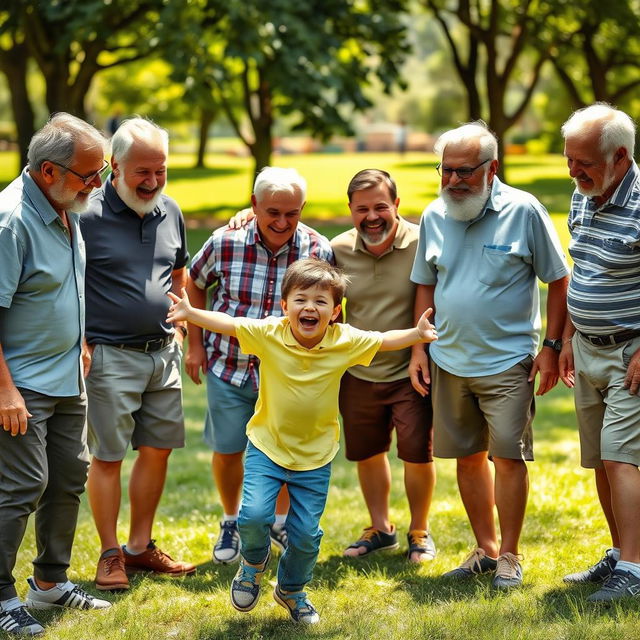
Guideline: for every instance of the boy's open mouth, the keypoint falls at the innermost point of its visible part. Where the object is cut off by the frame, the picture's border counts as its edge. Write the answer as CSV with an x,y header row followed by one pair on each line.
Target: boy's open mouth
x,y
308,321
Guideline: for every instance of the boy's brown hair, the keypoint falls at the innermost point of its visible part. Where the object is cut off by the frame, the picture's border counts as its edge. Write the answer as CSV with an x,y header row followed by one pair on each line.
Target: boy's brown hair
x,y
310,272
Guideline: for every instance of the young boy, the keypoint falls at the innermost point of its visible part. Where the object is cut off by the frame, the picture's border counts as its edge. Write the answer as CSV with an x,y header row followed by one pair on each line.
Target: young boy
x,y
293,435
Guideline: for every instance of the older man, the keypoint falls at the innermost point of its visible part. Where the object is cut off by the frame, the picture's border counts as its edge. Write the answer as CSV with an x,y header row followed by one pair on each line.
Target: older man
x,y
482,246
604,319
378,254
136,253
243,269
43,450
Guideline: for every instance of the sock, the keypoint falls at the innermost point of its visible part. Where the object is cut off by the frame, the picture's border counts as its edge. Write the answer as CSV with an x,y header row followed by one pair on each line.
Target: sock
x,y
110,552
132,553
614,553
631,567
228,518
280,519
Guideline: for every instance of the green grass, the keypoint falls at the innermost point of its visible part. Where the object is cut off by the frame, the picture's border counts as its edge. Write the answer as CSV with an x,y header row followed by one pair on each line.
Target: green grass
x,y
382,596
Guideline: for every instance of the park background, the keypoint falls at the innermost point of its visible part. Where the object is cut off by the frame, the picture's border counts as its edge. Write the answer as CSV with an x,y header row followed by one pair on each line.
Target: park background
x,y
330,87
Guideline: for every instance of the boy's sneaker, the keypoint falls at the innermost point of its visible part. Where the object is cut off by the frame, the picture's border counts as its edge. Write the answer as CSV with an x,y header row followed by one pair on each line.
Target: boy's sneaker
x,y
508,571
64,594
245,587
599,572
475,563
278,535
420,542
155,560
620,584
227,547
298,605
15,619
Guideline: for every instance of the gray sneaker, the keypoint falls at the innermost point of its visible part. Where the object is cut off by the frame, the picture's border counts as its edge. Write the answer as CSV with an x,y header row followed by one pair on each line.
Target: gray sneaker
x,y
227,547
475,563
599,572
245,588
620,584
508,571
298,605
65,594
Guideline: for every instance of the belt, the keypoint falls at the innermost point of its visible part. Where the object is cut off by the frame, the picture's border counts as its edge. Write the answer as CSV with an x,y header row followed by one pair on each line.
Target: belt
x,y
614,338
150,345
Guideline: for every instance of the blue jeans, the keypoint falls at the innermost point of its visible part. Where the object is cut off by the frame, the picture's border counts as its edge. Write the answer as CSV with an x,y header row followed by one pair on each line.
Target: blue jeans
x,y
308,493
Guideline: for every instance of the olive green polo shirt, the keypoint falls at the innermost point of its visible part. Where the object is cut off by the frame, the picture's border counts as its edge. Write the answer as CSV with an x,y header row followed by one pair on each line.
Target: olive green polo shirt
x,y
380,295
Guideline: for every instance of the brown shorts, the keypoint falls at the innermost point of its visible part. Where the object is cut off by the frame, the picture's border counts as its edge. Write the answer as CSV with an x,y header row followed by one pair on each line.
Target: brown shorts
x,y
370,411
487,413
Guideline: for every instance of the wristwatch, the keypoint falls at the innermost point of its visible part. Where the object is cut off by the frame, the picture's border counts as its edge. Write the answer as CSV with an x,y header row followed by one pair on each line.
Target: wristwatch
x,y
556,345
182,330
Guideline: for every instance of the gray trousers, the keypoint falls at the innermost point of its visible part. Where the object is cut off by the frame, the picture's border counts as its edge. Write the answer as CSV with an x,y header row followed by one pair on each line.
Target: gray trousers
x,y
44,471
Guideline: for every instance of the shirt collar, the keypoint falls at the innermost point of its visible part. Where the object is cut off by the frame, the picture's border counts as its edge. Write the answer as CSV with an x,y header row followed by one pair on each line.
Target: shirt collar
x,y
253,237
116,203
39,201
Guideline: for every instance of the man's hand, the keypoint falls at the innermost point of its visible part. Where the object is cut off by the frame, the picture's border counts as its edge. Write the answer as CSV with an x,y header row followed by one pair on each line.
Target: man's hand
x,y
545,363
86,354
565,364
13,411
419,370
195,360
241,219
632,379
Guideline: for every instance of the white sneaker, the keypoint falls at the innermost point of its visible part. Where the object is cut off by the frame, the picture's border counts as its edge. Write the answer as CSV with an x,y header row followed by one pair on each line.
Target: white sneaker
x,y
15,619
64,594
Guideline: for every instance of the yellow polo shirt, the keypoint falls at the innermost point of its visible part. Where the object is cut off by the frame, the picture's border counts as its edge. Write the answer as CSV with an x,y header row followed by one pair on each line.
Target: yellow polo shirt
x,y
295,422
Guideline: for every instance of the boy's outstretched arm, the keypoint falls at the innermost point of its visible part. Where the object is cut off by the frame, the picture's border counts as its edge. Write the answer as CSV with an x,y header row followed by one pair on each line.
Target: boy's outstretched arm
x,y
215,321
398,339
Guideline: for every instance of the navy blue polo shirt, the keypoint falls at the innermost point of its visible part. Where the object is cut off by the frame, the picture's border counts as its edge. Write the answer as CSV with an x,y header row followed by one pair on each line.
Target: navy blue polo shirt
x,y
130,260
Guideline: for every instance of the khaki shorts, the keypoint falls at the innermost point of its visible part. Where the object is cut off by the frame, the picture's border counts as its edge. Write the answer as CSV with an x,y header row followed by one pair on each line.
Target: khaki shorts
x,y
371,410
486,413
136,398
608,415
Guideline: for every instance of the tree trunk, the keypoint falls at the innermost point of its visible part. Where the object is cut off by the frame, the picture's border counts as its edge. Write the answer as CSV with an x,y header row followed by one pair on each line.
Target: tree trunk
x,y
261,151
207,116
14,65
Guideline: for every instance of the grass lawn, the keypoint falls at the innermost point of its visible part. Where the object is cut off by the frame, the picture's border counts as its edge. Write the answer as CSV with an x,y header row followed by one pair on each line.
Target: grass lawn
x,y
381,596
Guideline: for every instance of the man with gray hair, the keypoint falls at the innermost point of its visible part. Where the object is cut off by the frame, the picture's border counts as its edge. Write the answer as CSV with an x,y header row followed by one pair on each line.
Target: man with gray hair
x,y
136,252
482,247
243,269
43,448
601,350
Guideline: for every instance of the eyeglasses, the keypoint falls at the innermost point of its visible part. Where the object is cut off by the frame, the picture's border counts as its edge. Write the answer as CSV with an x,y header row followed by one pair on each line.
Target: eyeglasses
x,y
462,172
87,180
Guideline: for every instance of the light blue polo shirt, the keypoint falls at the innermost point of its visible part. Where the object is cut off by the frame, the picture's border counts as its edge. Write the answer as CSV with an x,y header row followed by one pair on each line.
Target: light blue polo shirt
x,y
486,294
41,291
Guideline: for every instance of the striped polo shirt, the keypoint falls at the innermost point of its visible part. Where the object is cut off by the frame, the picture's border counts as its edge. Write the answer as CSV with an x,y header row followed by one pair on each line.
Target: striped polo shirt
x,y
604,291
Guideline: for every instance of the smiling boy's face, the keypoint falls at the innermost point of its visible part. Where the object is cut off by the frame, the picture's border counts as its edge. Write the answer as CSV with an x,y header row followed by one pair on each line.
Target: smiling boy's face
x,y
309,312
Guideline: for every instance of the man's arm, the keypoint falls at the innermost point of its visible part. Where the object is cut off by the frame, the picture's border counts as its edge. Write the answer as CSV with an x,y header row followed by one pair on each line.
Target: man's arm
x,y
195,360
178,283
546,362
565,361
419,365
13,411
397,339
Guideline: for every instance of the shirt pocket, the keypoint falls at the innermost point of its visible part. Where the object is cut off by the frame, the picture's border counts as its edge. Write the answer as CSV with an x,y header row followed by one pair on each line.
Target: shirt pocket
x,y
497,265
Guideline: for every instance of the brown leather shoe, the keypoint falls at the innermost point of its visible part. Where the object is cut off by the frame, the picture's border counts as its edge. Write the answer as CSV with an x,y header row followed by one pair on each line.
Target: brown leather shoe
x,y
110,575
157,561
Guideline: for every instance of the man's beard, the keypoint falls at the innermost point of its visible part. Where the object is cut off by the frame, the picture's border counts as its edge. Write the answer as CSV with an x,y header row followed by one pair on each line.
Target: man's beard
x,y
594,192
69,200
469,207
133,201
374,238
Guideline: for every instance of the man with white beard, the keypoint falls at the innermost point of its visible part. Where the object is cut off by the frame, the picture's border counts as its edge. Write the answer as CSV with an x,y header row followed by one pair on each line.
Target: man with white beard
x,y
136,252
602,334
482,247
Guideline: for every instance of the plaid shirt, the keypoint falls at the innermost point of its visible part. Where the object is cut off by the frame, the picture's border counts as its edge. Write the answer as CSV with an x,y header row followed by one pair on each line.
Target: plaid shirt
x,y
245,280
